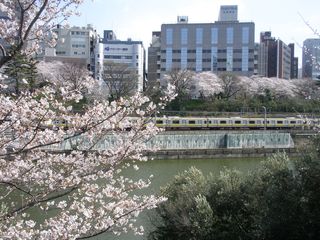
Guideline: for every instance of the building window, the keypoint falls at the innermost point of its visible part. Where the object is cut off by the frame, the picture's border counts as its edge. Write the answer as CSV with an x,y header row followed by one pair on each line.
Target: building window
x,y
245,59
199,35
245,35
214,59
169,36
214,35
229,35
168,59
184,57
229,65
184,36
199,59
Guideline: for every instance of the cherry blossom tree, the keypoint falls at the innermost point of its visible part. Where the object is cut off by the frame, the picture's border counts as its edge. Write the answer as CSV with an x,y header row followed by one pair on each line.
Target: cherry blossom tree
x,y
206,84
180,79
72,176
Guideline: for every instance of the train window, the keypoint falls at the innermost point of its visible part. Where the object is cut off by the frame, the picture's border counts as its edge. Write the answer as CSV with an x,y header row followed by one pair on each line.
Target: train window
x,y
237,122
292,122
279,122
192,122
223,122
251,122
175,121
210,122
159,122
205,122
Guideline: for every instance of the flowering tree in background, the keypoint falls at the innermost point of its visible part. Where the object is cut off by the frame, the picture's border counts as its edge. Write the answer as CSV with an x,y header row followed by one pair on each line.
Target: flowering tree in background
x,y
209,84
80,191
206,84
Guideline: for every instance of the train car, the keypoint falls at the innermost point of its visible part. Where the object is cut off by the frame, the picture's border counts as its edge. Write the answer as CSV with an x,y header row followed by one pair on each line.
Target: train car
x,y
217,123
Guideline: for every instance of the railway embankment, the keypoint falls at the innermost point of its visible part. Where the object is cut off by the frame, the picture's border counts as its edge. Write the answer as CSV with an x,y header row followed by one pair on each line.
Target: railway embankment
x,y
229,144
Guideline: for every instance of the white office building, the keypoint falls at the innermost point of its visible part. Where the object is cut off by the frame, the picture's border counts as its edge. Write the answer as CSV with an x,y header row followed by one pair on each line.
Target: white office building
x,y
130,53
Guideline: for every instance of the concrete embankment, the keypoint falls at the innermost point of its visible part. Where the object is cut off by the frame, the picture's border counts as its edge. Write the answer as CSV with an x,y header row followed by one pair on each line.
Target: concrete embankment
x,y
227,144
221,153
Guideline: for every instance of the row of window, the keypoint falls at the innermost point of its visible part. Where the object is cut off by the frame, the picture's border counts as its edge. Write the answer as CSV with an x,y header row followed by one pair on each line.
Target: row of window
x,y
214,69
208,60
244,121
208,51
78,45
184,35
117,57
79,33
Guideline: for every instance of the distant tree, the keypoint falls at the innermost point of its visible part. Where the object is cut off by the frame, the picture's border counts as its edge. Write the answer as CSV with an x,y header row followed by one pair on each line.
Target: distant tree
x,y
230,85
120,79
206,84
181,80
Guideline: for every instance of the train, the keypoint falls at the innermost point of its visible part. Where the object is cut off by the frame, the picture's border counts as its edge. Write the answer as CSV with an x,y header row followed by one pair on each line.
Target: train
x,y
218,123
222,123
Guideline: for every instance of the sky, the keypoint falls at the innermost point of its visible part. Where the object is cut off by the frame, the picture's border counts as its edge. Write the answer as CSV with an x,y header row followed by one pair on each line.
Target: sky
x,y
136,19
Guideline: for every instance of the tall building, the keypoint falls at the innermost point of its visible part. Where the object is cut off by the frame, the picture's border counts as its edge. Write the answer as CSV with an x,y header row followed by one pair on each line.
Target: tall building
x,y
130,53
154,58
294,63
311,59
76,45
226,45
274,57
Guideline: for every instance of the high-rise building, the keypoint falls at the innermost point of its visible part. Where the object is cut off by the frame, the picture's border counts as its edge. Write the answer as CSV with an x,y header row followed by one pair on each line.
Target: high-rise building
x,y
274,57
130,53
76,45
311,59
294,63
154,57
226,45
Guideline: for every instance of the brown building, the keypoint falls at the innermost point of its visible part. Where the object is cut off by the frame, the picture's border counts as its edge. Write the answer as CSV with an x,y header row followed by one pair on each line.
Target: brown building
x,y
275,57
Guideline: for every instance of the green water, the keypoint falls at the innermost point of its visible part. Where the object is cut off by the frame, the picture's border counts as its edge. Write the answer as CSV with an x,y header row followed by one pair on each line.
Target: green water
x,y
165,170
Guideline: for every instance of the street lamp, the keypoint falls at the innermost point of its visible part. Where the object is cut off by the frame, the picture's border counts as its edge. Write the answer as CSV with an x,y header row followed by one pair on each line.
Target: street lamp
x,y
265,117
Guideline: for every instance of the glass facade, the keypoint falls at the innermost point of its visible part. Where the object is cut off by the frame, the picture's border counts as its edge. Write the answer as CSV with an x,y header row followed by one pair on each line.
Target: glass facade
x,y
214,35
169,36
245,35
245,59
184,58
229,35
199,35
198,59
168,59
184,36
214,59
229,66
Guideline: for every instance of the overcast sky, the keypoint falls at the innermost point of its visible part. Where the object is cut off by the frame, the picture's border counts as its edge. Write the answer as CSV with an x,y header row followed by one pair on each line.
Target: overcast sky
x,y
137,19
